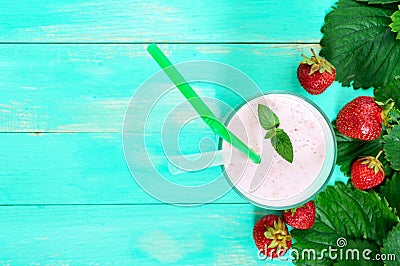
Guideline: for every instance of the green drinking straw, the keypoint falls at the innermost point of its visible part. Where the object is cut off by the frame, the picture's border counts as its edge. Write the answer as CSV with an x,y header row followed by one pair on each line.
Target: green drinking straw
x,y
205,113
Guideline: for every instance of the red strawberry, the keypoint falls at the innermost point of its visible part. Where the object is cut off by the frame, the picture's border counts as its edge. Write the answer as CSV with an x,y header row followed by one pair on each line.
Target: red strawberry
x,y
302,217
362,118
315,74
367,172
271,236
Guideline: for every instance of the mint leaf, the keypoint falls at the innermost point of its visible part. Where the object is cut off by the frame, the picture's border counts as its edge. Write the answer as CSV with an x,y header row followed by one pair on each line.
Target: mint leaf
x,y
282,144
359,43
343,211
392,147
279,139
392,246
270,133
395,25
391,191
267,117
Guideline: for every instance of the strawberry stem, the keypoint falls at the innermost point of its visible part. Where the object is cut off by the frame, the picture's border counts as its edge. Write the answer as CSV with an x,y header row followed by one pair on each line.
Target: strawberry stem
x,y
386,107
379,154
315,55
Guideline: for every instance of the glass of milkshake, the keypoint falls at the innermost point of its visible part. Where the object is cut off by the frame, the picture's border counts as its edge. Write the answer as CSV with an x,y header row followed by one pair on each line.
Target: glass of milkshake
x,y
276,183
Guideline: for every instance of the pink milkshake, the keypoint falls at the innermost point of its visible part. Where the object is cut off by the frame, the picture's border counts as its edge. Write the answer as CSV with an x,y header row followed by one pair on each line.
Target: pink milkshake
x,y
280,184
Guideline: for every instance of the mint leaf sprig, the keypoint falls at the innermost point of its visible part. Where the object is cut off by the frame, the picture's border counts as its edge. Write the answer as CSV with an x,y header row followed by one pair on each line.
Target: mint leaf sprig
x,y
279,139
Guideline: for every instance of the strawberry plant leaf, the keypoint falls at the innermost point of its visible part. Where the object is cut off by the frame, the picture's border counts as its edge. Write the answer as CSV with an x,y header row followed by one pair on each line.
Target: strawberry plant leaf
x,y
318,238
390,91
394,116
354,250
390,190
344,212
395,25
392,147
378,1
356,214
358,41
282,144
392,246
349,149
267,117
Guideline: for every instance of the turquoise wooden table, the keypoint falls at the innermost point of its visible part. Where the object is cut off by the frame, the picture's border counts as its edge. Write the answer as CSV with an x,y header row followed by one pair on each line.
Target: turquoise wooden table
x,y
68,70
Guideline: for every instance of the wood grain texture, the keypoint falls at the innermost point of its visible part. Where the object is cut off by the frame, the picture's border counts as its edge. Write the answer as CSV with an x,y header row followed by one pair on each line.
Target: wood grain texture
x,y
85,168
161,21
81,168
87,88
129,235
68,70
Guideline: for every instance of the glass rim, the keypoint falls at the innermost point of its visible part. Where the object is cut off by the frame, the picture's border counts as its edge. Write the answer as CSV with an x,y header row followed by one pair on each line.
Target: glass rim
x,y
332,166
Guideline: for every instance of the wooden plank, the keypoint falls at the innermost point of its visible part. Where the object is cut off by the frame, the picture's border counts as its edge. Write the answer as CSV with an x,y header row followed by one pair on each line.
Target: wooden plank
x,y
83,168
86,168
162,21
87,88
129,235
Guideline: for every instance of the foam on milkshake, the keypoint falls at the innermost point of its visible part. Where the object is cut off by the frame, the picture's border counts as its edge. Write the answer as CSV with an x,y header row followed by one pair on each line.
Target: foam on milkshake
x,y
285,184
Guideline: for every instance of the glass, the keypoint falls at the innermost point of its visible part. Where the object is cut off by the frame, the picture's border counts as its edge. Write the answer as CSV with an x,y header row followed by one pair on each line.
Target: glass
x,y
292,184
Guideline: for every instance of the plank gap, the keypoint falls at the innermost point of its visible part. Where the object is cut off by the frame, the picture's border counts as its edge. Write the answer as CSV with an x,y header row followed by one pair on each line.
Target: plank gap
x,y
194,204
143,43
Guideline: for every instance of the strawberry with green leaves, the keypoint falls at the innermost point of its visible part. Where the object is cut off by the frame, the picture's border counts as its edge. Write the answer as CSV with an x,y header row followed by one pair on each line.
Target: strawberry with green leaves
x,y
271,236
367,172
362,118
315,74
302,217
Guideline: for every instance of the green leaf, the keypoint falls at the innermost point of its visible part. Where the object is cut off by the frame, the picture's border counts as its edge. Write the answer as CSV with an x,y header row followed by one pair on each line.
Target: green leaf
x,y
353,254
394,116
392,246
349,149
343,211
391,191
279,139
354,214
270,133
392,147
359,43
379,1
390,91
395,25
319,237
282,144
267,117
